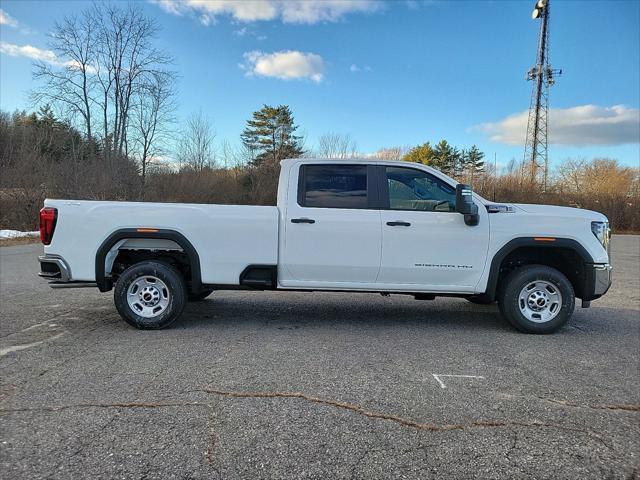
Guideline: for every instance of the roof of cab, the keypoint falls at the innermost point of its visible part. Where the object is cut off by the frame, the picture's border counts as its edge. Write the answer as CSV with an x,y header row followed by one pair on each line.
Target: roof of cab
x,y
371,161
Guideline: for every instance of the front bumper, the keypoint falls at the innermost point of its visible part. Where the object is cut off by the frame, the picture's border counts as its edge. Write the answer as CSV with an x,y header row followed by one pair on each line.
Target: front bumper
x,y
54,267
597,280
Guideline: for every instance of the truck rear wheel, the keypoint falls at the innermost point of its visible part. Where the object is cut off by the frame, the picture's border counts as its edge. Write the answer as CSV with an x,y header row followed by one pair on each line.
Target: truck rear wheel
x,y
536,299
150,295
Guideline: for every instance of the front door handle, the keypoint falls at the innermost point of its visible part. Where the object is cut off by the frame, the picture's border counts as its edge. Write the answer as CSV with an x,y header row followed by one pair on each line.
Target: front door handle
x,y
303,220
398,224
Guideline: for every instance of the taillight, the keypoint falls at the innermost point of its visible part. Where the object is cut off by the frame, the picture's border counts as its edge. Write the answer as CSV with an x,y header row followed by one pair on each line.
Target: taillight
x,y
48,217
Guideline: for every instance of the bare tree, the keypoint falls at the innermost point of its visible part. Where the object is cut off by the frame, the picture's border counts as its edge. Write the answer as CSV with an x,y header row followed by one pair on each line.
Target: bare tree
x,y
67,78
104,62
195,148
128,61
233,157
570,175
336,145
390,153
153,116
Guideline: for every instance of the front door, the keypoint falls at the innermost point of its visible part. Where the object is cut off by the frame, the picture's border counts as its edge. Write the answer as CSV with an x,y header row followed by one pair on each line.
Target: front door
x,y
332,234
425,242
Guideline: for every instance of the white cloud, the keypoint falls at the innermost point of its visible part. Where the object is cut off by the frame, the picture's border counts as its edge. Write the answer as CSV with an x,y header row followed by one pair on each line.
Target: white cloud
x,y
248,32
313,11
36,53
29,51
286,65
356,68
288,11
581,125
206,20
6,19
169,6
9,21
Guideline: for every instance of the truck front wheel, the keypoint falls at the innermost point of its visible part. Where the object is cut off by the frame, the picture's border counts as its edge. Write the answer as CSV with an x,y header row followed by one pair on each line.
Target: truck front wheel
x,y
536,299
150,295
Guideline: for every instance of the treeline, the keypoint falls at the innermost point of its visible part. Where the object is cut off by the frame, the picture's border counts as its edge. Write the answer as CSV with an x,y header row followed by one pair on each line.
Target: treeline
x,y
41,156
599,184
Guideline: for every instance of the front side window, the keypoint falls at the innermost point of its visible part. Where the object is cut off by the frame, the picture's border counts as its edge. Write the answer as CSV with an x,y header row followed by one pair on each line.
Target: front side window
x,y
412,189
334,186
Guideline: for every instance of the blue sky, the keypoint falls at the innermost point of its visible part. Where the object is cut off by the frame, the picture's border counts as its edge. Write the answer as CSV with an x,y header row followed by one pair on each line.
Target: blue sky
x,y
387,73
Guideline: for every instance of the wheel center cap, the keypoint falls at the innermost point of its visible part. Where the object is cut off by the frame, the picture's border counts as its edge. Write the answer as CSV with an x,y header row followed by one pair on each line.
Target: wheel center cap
x,y
538,300
149,296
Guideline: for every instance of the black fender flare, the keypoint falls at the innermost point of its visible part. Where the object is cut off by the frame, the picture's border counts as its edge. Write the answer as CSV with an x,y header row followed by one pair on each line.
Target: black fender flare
x,y
106,284
537,242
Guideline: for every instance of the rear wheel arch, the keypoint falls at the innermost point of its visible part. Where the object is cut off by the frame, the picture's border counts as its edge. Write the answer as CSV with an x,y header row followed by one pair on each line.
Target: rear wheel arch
x,y
565,255
194,276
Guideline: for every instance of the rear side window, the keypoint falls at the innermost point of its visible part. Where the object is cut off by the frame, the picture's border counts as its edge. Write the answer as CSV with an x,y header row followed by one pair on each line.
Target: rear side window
x,y
333,186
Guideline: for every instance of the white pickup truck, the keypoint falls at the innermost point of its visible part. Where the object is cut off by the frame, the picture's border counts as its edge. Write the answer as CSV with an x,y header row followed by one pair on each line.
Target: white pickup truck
x,y
353,226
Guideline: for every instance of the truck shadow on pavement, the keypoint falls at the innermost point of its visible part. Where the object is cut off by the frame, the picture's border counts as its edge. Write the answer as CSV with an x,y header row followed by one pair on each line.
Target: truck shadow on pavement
x,y
307,309
300,310
294,311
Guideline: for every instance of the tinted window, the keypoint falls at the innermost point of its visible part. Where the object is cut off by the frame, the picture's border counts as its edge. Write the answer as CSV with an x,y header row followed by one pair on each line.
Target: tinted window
x,y
411,189
335,186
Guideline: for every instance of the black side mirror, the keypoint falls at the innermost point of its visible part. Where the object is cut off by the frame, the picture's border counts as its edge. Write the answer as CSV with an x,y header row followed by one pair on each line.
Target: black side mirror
x,y
465,205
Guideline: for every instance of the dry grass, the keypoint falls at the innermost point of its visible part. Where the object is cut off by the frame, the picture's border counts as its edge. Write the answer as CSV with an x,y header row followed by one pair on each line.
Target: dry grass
x,y
9,242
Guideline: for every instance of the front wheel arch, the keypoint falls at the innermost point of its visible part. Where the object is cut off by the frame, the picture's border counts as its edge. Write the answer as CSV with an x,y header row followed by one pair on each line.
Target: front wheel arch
x,y
552,252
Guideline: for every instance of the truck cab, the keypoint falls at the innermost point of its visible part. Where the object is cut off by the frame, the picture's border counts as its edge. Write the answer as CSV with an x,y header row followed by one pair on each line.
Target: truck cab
x,y
376,226
350,225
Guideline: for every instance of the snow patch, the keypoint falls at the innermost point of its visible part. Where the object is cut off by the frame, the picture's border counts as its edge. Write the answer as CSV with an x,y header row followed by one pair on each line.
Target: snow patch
x,y
17,234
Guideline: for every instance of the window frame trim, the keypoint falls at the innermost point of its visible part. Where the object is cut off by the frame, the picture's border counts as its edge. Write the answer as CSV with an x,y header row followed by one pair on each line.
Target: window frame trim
x,y
374,199
383,189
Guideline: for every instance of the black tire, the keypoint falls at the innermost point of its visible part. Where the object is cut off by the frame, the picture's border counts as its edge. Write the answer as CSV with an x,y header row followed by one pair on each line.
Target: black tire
x,y
196,297
516,281
480,300
174,296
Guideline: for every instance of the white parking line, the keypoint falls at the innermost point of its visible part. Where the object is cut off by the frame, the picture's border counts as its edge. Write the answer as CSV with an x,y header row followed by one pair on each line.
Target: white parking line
x,y
441,383
17,348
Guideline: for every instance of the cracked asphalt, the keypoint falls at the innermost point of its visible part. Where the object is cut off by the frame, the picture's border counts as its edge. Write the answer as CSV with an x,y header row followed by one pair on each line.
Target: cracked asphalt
x,y
317,385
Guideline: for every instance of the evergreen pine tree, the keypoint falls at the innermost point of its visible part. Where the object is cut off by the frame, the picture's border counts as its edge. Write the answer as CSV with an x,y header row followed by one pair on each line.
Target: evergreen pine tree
x,y
423,154
474,161
456,163
270,135
444,157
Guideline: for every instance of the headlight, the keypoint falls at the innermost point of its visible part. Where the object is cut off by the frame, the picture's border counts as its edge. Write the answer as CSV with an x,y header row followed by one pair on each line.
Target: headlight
x,y
602,232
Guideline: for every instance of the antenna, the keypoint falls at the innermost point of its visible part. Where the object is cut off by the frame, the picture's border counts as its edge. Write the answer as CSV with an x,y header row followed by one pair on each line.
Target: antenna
x,y
495,174
543,76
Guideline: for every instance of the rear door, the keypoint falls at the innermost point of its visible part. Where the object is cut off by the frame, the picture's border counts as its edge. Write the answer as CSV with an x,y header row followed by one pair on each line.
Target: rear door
x,y
332,234
425,242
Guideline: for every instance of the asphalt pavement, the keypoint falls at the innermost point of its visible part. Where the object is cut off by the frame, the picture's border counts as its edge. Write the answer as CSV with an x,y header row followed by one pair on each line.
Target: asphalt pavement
x,y
315,385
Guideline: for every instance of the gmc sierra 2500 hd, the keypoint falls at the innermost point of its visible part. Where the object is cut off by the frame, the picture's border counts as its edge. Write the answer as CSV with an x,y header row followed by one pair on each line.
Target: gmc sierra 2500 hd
x,y
354,226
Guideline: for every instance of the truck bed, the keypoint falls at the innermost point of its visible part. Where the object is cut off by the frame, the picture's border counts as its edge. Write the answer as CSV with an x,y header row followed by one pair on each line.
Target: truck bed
x,y
227,238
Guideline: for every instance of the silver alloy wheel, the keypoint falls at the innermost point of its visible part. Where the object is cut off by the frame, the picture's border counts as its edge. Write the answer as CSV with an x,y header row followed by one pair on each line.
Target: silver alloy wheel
x,y
148,296
540,301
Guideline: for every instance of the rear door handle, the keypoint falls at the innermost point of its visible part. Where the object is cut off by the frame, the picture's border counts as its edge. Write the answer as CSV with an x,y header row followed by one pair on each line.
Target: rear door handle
x,y
303,220
399,224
